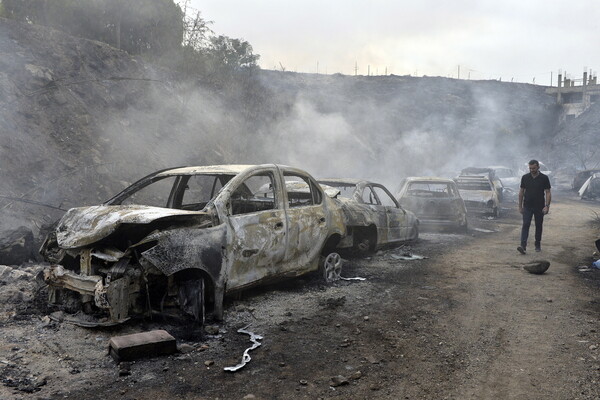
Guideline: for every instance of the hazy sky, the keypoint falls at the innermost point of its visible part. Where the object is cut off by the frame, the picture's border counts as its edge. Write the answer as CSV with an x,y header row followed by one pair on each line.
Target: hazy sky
x,y
488,39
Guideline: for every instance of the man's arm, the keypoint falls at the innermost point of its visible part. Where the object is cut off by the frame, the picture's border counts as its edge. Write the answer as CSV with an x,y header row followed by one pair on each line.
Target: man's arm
x,y
548,201
521,195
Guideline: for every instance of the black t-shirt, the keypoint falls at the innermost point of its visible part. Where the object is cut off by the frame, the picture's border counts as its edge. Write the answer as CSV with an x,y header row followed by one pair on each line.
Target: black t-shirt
x,y
534,190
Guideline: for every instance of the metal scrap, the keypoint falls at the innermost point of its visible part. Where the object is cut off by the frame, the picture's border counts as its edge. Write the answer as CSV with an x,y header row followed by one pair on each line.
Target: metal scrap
x,y
358,278
254,338
407,257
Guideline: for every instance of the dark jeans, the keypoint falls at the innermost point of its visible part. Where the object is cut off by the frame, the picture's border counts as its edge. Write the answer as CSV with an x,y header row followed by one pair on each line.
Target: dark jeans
x,y
528,213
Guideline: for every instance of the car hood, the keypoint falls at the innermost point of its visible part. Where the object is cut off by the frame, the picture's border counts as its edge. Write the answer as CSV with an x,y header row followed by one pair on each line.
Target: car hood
x,y
476,195
85,225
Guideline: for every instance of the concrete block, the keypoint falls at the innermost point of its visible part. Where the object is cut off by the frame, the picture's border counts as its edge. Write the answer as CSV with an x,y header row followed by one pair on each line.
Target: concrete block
x,y
141,345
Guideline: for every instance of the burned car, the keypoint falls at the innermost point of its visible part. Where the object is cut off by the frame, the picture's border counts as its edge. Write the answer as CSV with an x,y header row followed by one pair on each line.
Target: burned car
x,y
435,201
373,217
581,177
489,172
509,178
479,194
590,190
182,238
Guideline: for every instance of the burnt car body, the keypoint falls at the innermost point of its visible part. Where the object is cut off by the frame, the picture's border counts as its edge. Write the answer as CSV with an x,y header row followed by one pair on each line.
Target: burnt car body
x,y
508,177
182,238
479,194
373,217
435,201
590,190
581,177
490,172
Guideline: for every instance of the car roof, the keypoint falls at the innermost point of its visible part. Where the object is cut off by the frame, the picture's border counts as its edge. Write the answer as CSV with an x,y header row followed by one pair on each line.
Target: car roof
x,y
227,169
348,181
473,178
428,179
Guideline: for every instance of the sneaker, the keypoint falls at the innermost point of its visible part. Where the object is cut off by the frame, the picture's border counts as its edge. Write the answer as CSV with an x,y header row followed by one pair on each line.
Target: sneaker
x,y
538,249
521,249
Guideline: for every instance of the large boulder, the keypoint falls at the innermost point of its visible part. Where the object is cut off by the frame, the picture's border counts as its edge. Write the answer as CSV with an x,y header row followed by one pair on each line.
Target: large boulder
x,y
17,246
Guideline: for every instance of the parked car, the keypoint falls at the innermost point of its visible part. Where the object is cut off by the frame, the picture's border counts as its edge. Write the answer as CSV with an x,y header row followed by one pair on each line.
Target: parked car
x,y
183,238
508,177
582,176
479,194
372,215
490,173
590,190
435,201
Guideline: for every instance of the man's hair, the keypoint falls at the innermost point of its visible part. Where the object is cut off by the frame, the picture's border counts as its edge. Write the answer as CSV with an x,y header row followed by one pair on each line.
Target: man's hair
x,y
534,162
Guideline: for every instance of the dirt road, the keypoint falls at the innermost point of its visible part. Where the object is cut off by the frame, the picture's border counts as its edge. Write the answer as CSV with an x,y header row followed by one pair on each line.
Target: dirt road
x,y
465,323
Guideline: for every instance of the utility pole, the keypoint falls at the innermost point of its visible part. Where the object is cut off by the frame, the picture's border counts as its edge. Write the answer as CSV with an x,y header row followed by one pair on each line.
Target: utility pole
x,y
317,68
458,72
355,68
369,70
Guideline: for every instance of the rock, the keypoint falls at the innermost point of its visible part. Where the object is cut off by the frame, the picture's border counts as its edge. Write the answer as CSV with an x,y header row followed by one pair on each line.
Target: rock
x,y
356,375
303,382
338,380
124,369
208,363
17,247
186,348
211,329
537,267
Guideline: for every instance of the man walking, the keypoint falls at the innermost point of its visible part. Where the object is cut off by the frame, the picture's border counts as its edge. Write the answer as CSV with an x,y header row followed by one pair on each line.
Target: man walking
x,y
534,201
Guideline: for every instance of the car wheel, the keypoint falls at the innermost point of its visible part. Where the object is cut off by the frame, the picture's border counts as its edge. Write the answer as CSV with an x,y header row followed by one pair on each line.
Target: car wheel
x,y
191,298
332,267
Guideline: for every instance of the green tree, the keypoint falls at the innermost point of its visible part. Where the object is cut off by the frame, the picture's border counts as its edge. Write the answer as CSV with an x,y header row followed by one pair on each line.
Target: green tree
x,y
232,53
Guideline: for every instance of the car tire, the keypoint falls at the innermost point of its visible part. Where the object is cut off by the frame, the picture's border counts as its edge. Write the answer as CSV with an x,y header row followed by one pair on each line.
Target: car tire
x,y
331,267
191,299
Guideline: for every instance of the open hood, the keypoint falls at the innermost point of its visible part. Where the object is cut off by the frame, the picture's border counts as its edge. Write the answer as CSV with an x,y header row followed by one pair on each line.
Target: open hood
x,y
85,225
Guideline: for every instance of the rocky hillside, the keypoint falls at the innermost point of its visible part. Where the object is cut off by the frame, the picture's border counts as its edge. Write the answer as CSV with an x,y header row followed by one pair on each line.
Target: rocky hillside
x,y
80,120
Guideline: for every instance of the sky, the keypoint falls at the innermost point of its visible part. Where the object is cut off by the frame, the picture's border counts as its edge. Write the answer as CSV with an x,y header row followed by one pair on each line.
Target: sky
x,y
511,40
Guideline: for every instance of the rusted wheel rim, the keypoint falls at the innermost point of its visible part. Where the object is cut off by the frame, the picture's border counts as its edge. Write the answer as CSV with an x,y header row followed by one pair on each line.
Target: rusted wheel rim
x,y
332,267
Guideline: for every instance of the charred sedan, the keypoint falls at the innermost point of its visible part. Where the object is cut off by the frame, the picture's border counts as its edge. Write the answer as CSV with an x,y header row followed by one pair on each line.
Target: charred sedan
x,y
435,201
180,239
373,217
479,194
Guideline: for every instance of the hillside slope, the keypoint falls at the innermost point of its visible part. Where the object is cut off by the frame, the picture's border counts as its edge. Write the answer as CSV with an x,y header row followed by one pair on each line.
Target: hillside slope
x,y
79,120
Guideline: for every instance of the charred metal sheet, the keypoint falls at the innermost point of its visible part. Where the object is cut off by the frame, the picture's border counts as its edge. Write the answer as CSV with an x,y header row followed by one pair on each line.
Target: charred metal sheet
x,y
185,248
86,225
358,278
58,276
254,338
591,188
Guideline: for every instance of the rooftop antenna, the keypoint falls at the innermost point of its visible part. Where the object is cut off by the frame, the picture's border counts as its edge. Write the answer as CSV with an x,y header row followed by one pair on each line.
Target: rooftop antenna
x,y
282,67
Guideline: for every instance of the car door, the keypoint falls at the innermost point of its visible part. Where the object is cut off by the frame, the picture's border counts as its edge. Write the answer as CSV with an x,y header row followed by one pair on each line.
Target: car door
x,y
397,225
307,219
258,229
